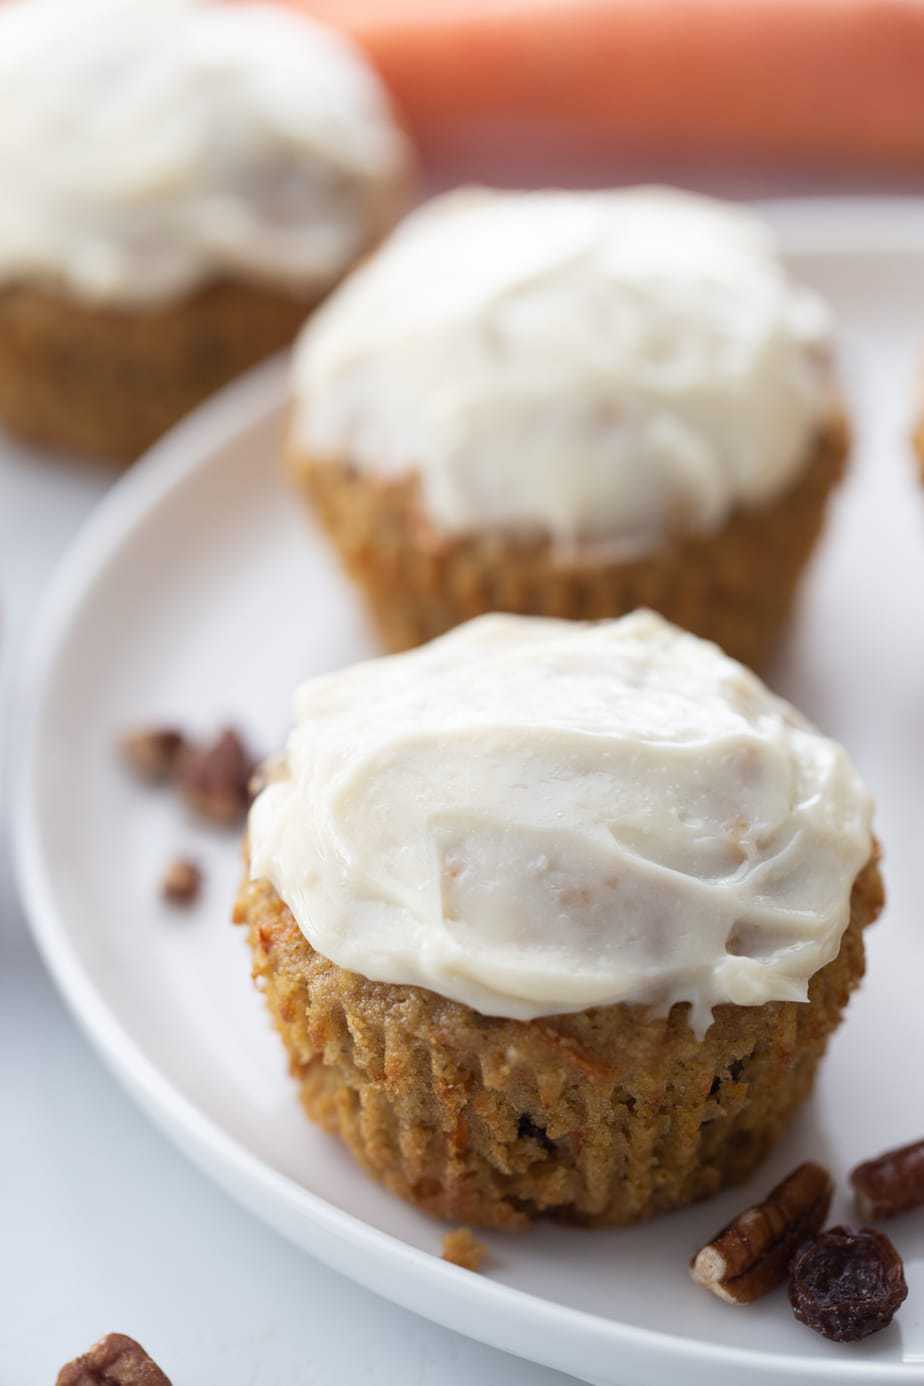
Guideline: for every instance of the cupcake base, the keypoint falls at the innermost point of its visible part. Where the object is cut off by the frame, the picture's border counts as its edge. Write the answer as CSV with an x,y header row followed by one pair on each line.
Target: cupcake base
x,y
735,587
604,1117
108,381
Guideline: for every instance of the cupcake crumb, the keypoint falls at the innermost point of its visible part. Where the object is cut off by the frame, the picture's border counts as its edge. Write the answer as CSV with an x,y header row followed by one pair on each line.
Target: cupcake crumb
x,y
462,1248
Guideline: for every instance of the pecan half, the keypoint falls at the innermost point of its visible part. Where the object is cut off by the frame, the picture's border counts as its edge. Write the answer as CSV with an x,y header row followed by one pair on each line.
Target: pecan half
x,y
115,1360
751,1255
890,1184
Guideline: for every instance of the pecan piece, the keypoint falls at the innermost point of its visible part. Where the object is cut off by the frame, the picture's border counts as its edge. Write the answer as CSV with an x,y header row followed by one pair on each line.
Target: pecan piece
x,y
215,779
182,882
115,1360
890,1184
847,1284
751,1255
153,752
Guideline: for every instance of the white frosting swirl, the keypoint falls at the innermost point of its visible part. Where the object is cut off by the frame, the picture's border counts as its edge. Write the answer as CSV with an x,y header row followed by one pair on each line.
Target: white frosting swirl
x,y
614,366
534,816
148,145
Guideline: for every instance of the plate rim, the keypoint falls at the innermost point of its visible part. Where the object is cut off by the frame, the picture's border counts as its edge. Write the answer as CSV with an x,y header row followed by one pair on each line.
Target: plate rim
x,y
495,1313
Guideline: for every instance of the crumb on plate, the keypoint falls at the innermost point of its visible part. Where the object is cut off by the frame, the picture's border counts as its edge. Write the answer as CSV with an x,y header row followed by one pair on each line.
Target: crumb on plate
x,y
462,1248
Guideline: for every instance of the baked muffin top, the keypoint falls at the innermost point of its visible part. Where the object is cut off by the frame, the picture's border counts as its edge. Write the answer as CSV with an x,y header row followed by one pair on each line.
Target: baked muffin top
x,y
150,145
534,816
606,367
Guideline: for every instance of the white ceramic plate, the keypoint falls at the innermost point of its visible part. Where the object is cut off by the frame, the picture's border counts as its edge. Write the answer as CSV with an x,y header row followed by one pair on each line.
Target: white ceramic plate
x,y
199,592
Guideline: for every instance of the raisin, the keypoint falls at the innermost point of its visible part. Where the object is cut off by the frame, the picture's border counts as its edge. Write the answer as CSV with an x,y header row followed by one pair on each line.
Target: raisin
x,y
732,1073
847,1283
527,1130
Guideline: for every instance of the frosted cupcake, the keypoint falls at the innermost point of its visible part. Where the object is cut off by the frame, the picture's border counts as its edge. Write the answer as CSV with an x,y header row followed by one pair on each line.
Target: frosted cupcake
x,y
185,181
557,918
571,404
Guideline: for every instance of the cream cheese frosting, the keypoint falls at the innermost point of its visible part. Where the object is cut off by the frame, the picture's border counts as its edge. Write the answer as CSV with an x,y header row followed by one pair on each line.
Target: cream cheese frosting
x,y
149,145
534,816
608,366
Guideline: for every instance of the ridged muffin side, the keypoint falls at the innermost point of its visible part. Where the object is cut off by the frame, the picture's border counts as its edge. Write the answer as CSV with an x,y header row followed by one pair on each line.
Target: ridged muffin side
x,y
607,1116
735,587
108,381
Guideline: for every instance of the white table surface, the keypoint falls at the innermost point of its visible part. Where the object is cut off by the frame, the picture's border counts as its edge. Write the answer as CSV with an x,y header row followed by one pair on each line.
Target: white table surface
x,y
104,1225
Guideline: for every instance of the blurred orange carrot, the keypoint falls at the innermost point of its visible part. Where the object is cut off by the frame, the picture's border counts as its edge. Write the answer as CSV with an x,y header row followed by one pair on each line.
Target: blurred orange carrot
x,y
832,81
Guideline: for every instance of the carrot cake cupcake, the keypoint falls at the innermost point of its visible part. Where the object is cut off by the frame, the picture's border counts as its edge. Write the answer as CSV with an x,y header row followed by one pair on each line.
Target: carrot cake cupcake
x,y
571,404
557,918
185,181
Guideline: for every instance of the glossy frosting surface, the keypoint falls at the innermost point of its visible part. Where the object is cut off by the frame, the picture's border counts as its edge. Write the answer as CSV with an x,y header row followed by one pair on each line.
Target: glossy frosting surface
x,y
148,145
532,816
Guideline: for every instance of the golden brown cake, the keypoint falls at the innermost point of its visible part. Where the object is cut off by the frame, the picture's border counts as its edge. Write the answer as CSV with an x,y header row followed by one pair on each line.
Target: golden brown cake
x,y
736,587
108,381
190,180
557,919
602,1117
571,405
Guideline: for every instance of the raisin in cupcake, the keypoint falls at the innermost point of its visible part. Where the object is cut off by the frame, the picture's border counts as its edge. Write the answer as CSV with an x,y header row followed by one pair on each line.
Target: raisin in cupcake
x,y
571,404
186,181
557,918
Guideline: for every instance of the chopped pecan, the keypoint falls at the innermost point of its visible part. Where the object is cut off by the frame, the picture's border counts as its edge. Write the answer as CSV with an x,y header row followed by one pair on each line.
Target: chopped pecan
x,y
847,1284
215,779
890,1184
153,752
751,1255
182,882
115,1360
